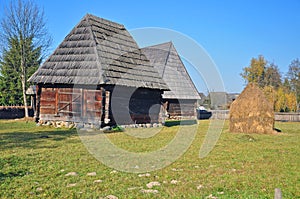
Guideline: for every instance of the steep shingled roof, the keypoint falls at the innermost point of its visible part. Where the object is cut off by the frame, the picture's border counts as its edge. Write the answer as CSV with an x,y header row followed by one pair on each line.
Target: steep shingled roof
x,y
98,51
166,60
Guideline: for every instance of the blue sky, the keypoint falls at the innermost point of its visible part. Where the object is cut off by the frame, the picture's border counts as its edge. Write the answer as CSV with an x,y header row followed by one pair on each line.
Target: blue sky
x,y
231,32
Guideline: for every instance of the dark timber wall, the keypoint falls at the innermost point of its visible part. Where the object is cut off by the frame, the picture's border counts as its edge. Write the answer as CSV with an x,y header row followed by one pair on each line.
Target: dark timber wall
x,y
135,106
181,109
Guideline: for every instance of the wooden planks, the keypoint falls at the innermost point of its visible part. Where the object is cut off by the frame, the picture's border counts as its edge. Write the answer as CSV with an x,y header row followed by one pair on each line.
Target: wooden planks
x,y
47,101
72,102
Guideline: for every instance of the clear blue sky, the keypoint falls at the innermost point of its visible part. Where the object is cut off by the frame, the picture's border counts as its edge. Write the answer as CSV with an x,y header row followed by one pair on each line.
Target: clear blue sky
x,y
232,31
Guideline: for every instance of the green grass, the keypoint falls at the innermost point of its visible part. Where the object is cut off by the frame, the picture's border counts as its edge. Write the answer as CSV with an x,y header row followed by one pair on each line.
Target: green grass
x,y
34,161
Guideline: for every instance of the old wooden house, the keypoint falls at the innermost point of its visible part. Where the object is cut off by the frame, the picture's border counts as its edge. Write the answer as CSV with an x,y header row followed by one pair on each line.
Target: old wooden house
x,y
98,74
181,100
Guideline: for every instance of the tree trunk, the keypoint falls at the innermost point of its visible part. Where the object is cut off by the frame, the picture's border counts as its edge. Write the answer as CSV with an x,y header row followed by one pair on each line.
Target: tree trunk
x,y
23,74
24,96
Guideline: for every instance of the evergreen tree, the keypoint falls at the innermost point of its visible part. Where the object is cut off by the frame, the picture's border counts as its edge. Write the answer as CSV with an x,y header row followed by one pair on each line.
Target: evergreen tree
x,y
10,79
24,40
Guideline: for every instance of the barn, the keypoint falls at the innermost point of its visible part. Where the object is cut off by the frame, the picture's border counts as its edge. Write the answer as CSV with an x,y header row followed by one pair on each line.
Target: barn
x,y
98,74
181,100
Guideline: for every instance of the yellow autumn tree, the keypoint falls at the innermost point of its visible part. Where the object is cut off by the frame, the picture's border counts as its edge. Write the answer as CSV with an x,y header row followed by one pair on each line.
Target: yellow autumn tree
x,y
280,101
291,101
270,94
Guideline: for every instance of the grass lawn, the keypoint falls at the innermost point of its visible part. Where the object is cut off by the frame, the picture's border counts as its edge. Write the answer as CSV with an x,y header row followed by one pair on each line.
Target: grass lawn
x,y
34,162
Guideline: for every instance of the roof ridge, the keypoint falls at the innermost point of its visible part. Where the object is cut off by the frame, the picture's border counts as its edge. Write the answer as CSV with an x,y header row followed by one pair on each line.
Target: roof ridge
x,y
167,59
100,69
160,44
91,16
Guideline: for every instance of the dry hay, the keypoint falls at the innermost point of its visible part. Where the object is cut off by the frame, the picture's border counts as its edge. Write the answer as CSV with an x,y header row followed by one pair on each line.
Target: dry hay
x,y
251,112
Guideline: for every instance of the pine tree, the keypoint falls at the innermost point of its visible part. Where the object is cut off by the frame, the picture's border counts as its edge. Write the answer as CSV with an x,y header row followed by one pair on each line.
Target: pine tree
x,y
11,72
24,39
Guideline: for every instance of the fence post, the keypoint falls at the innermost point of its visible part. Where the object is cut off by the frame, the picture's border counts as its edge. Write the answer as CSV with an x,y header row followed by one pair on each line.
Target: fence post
x,y
278,194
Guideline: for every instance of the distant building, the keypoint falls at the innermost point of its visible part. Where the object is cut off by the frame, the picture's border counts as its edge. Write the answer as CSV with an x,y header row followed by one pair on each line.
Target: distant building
x,y
218,100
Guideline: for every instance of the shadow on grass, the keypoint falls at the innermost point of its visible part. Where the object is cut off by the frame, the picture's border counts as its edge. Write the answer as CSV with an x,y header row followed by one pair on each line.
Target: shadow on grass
x,y
34,139
171,123
4,176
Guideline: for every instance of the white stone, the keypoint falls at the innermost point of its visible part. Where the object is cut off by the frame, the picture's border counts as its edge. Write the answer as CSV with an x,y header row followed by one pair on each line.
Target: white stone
x,y
91,174
152,184
149,191
71,185
71,174
39,189
200,186
144,175
174,181
111,197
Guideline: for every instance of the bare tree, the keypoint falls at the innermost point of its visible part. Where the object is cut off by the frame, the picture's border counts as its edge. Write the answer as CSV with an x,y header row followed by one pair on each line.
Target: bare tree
x,y
24,21
293,76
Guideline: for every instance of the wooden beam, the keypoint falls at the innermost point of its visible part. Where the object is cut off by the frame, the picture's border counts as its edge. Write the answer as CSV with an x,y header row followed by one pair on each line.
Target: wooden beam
x,y
107,100
56,101
38,103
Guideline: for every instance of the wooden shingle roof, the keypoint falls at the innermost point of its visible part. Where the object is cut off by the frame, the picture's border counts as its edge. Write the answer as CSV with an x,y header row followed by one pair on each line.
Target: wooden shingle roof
x,y
96,52
166,60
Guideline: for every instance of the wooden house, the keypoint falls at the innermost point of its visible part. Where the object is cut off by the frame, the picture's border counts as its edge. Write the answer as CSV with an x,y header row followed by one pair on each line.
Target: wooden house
x,y
98,74
181,100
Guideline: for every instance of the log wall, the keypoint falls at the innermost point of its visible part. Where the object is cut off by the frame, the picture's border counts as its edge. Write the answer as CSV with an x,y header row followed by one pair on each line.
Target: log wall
x,y
135,106
181,109
70,104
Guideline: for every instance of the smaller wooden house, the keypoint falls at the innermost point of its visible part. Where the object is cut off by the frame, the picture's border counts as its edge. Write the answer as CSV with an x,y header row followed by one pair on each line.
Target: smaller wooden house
x,y
98,74
181,101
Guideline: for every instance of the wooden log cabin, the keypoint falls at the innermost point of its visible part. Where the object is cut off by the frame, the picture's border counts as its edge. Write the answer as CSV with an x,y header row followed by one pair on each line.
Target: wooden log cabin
x,y
98,74
181,100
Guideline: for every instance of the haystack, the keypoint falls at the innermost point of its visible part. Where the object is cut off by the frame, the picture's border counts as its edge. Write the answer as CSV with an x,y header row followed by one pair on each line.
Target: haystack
x,y
251,112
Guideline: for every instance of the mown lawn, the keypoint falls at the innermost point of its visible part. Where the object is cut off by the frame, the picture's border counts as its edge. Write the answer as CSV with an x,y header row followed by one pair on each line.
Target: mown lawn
x,y
34,162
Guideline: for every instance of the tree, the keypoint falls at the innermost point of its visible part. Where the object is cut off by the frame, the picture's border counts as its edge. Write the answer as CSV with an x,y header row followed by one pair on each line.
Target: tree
x,y
293,76
291,101
280,101
10,86
272,76
255,71
23,24
270,94
286,85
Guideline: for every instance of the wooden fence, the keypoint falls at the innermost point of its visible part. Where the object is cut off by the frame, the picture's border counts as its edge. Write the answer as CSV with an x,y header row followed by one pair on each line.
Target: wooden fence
x,y
13,112
284,117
